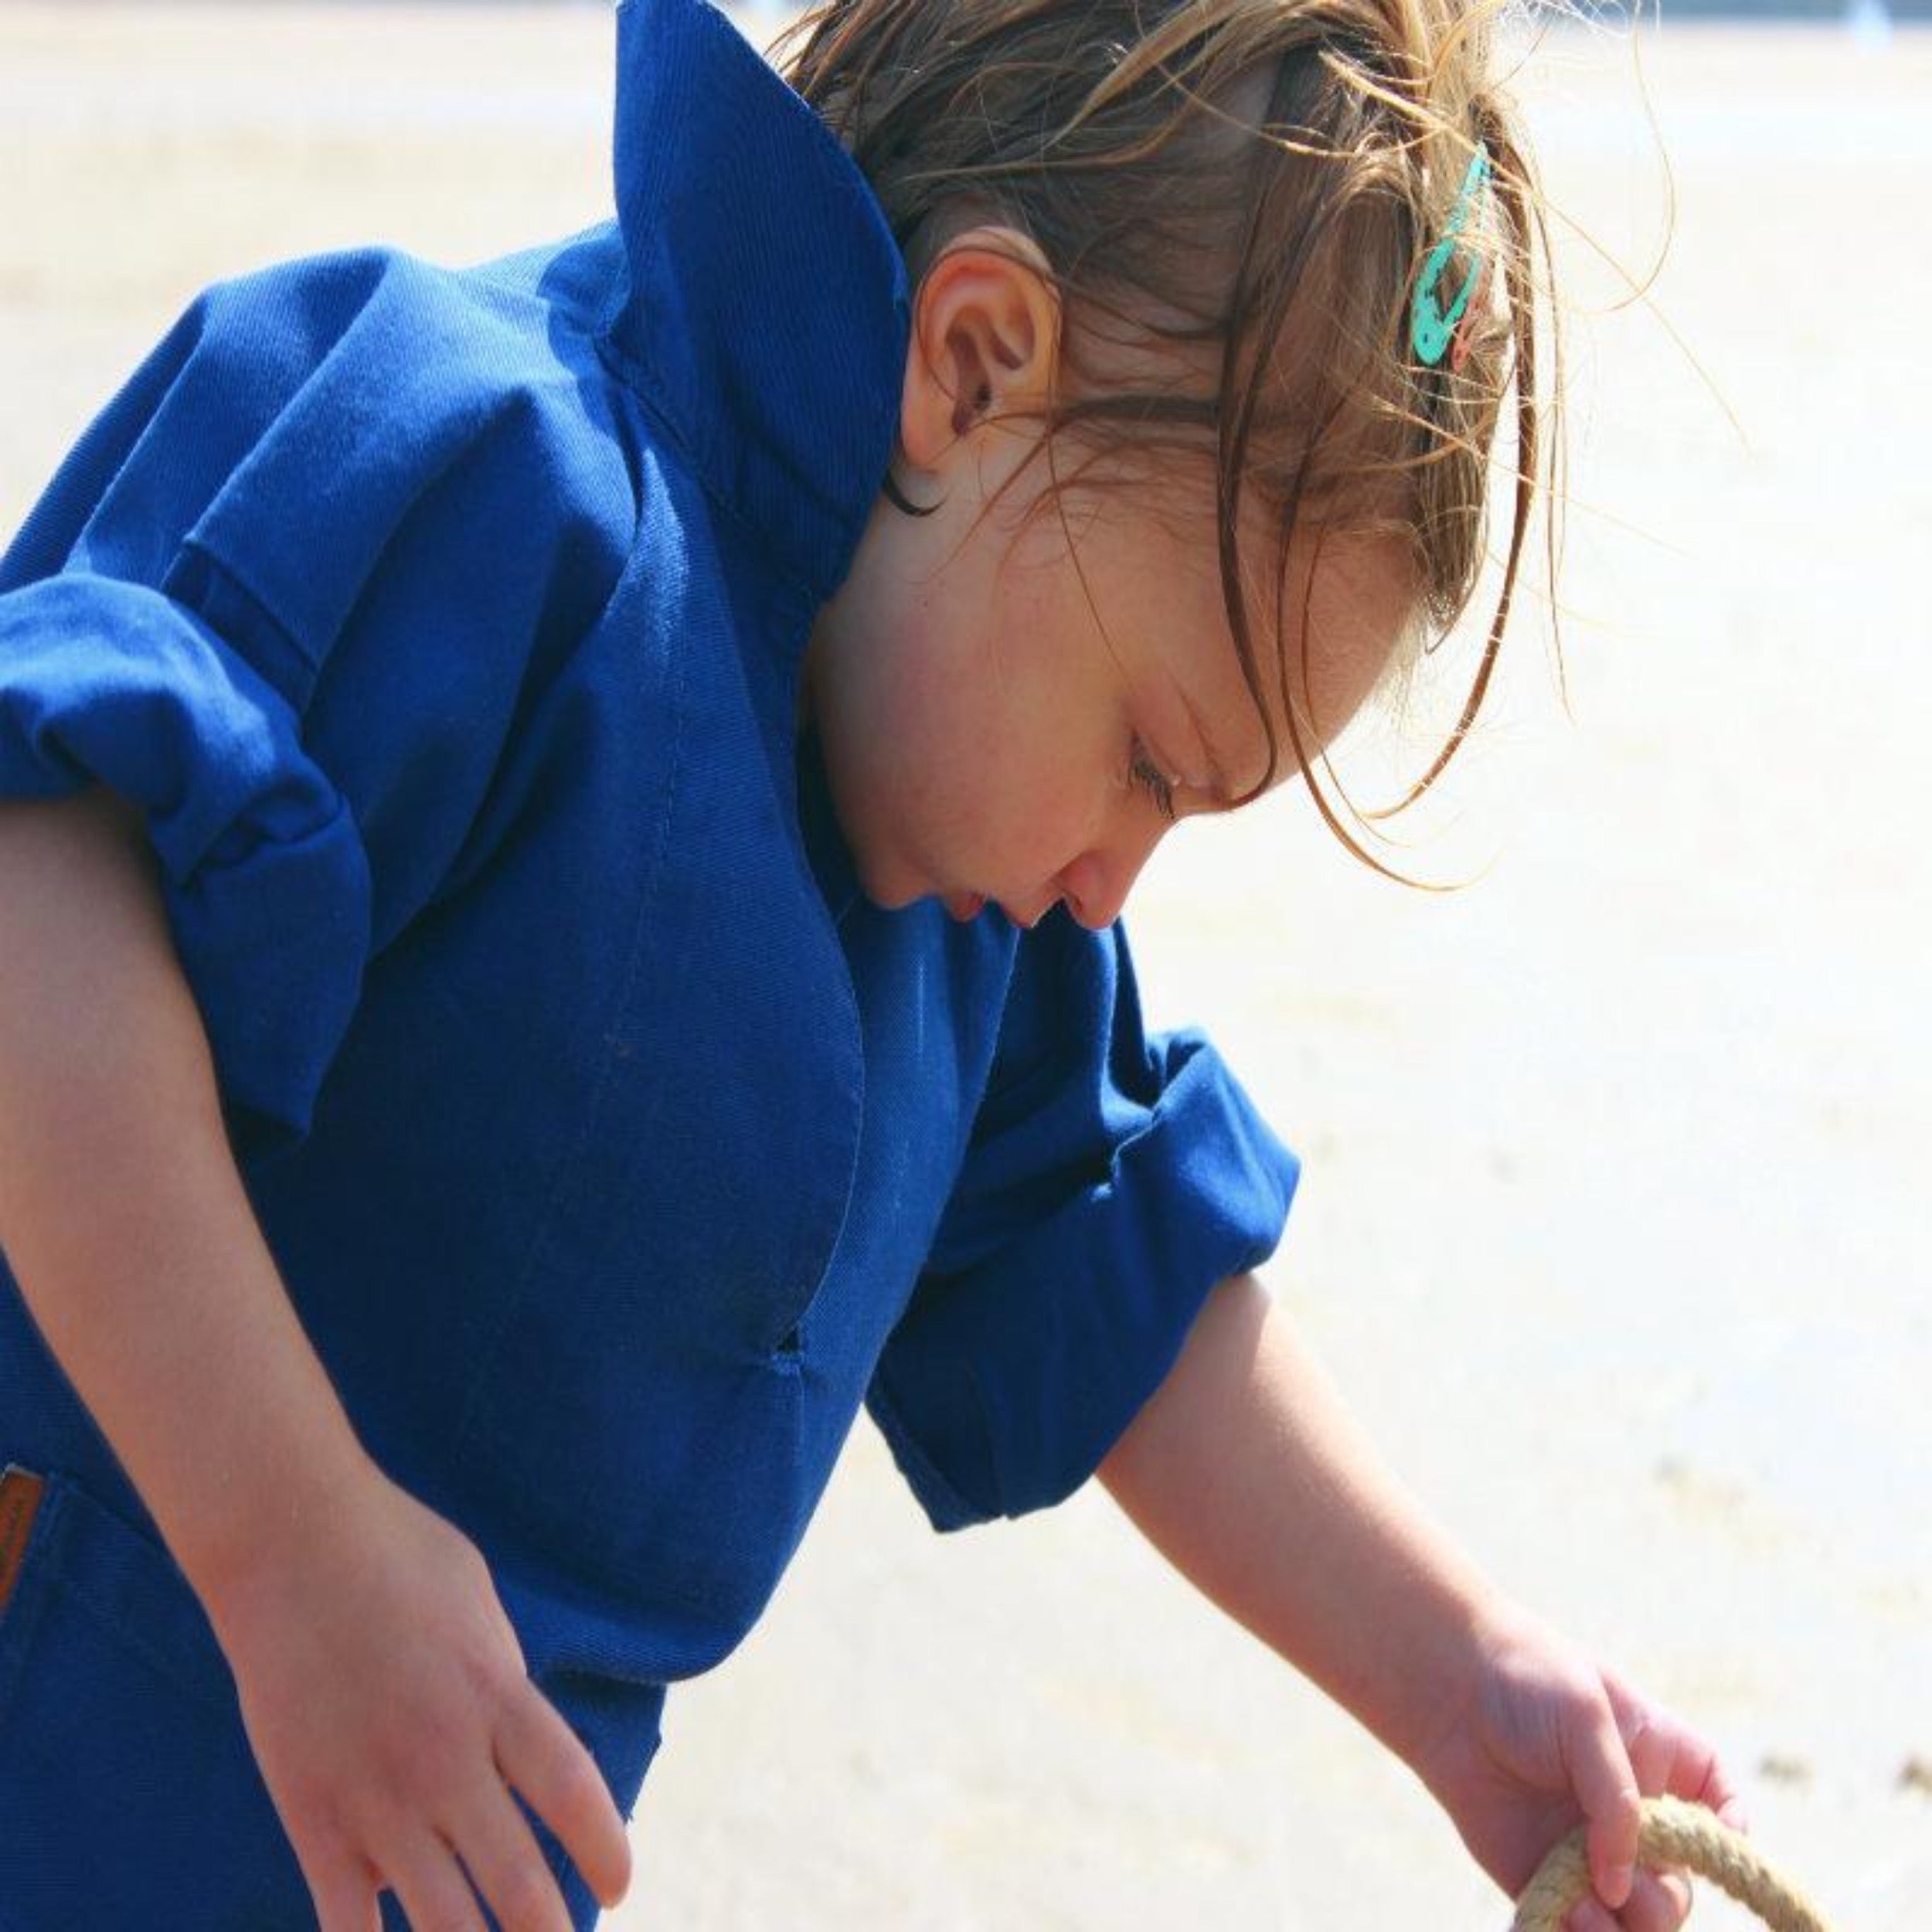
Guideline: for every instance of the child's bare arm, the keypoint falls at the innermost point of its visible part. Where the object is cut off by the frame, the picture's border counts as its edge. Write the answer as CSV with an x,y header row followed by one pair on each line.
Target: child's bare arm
x,y
382,1683
120,1208
1299,1535
1247,1473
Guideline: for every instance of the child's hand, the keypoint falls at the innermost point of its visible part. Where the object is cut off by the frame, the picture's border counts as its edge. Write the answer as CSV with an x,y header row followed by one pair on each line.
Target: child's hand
x,y
1548,1740
385,1694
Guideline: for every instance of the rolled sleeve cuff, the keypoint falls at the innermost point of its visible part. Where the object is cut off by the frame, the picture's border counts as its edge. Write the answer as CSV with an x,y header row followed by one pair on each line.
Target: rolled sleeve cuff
x,y
263,874
1004,1385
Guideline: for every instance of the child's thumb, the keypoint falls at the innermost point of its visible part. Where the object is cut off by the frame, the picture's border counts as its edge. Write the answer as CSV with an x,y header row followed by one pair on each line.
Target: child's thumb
x,y
1605,1784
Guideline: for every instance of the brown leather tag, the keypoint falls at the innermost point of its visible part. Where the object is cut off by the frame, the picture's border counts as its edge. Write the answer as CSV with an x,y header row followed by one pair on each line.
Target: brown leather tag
x,y
19,1497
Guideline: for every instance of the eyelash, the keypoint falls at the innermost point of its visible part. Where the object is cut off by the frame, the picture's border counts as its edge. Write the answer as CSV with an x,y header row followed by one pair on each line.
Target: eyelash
x,y
1145,772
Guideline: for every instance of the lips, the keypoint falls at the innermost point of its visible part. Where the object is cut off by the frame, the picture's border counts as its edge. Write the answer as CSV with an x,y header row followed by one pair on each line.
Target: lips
x,y
966,906
1026,918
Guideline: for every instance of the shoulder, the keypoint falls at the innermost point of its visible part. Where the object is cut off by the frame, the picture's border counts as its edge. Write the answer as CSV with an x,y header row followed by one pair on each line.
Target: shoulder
x,y
366,446
424,341
341,408
380,360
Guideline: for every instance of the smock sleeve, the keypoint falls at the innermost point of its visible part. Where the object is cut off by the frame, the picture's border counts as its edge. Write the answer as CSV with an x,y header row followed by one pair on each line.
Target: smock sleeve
x,y
282,596
1111,1180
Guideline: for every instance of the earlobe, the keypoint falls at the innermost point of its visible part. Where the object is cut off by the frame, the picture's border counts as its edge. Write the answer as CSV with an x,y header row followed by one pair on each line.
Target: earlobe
x,y
984,344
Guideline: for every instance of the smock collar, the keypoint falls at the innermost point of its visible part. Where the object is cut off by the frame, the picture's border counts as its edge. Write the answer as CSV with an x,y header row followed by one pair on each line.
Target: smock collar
x,y
765,316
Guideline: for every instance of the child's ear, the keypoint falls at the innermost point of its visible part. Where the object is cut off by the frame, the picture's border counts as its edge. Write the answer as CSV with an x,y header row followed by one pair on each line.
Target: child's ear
x,y
985,338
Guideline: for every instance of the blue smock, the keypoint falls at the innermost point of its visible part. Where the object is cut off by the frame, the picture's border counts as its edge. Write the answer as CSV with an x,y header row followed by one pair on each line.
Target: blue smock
x,y
446,626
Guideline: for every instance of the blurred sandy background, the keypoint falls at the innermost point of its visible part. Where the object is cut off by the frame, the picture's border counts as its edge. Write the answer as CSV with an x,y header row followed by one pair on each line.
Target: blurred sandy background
x,y
1614,1224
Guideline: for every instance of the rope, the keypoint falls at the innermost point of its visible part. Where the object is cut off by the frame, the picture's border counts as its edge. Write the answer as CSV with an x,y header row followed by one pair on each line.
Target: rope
x,y
1673,1833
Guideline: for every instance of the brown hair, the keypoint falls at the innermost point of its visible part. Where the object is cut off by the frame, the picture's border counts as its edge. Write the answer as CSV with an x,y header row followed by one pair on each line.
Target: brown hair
x,y
1251,186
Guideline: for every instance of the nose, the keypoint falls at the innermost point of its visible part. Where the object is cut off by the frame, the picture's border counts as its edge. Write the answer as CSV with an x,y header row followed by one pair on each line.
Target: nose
x,y
1096,885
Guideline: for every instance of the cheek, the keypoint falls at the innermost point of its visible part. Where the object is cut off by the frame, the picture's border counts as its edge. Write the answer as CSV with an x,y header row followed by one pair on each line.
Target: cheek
x,y
933,748
1059,805
909,702
991,752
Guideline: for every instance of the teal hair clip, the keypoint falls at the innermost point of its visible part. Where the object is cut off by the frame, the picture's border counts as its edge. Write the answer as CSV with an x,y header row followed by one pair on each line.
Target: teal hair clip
x,y
1432,328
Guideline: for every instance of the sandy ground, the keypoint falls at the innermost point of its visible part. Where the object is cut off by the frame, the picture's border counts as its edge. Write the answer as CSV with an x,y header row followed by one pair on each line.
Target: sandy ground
x,y
1614,1226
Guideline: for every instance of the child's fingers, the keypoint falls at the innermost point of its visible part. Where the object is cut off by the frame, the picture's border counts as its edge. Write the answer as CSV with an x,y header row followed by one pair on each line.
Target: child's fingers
x,y
344,1895
1652,1751
1696,1775
506,1864
1676,1890
1671,1758
541,1756
434,1894
1605,1785
1588,1915
1658,1902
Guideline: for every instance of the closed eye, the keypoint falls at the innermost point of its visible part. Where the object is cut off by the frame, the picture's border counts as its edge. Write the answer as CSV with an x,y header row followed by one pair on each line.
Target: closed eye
x,y
1159,787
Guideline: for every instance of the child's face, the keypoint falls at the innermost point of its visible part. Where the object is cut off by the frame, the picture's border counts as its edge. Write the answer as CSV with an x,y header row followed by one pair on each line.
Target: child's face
x,y
987,730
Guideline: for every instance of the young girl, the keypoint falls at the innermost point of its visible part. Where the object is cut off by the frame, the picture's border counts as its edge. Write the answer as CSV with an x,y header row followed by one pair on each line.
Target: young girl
x,y
565,827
